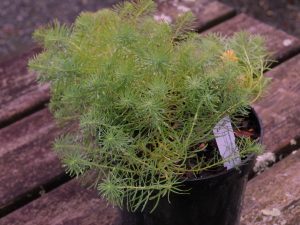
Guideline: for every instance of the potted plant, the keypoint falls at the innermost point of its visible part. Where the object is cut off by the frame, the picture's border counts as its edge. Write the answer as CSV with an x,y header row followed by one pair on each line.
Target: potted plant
x,y
148,101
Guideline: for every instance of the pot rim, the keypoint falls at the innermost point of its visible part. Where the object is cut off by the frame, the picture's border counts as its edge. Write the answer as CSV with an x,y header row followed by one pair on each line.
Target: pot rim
x,y
245,162
250,158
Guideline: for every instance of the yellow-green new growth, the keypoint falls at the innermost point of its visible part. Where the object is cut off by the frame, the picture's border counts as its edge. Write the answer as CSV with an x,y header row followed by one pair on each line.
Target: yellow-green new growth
x,y
143,94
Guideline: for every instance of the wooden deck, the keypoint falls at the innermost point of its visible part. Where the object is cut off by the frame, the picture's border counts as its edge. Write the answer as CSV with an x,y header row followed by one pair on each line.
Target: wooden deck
x,y
34,189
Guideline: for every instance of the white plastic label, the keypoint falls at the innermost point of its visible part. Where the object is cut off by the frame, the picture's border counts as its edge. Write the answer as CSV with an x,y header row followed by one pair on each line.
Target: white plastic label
x,y
226,143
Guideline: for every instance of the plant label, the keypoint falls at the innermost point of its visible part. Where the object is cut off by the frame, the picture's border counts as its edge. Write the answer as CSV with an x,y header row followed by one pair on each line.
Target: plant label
x,y
226,143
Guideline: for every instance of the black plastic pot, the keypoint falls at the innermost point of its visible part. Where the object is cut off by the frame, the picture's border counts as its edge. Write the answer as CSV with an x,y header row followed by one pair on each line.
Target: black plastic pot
x,y
213,200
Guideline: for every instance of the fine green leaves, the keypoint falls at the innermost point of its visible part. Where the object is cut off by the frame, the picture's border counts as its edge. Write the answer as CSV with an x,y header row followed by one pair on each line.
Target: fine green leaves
x,y
143,95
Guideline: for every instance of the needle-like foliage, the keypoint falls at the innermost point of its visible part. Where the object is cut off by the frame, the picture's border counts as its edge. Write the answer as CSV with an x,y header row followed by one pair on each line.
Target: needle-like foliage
x,y
143,94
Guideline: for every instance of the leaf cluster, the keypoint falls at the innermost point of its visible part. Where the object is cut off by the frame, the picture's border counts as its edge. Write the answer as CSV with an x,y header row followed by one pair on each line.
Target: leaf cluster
x,y
142,99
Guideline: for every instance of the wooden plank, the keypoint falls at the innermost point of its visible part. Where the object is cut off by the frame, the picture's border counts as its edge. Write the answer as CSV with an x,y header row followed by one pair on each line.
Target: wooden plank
x,y
19,92
26,159
279,109
207,12
281,44
70,204
274,196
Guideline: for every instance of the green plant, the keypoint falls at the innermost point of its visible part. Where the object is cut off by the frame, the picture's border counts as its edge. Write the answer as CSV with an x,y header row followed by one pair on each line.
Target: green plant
x,y
143,94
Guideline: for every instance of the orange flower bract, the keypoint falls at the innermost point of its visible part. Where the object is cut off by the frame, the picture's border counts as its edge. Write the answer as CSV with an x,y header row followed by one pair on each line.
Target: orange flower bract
x,y
229,55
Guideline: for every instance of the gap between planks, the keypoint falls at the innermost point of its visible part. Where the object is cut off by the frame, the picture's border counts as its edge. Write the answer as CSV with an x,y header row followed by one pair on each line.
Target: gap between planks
x,y
273,197
33,194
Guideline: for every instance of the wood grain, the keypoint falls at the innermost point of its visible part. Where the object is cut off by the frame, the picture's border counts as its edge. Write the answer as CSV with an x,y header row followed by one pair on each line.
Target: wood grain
x,y
276,190
279,43
207,12
19,92
26,158
279,110
70,204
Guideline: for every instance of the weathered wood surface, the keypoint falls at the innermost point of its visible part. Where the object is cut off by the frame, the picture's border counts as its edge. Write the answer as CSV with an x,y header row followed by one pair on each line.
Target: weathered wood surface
x,y
279,110
26,158
274,196
19,91
279,43
70,204
207,12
